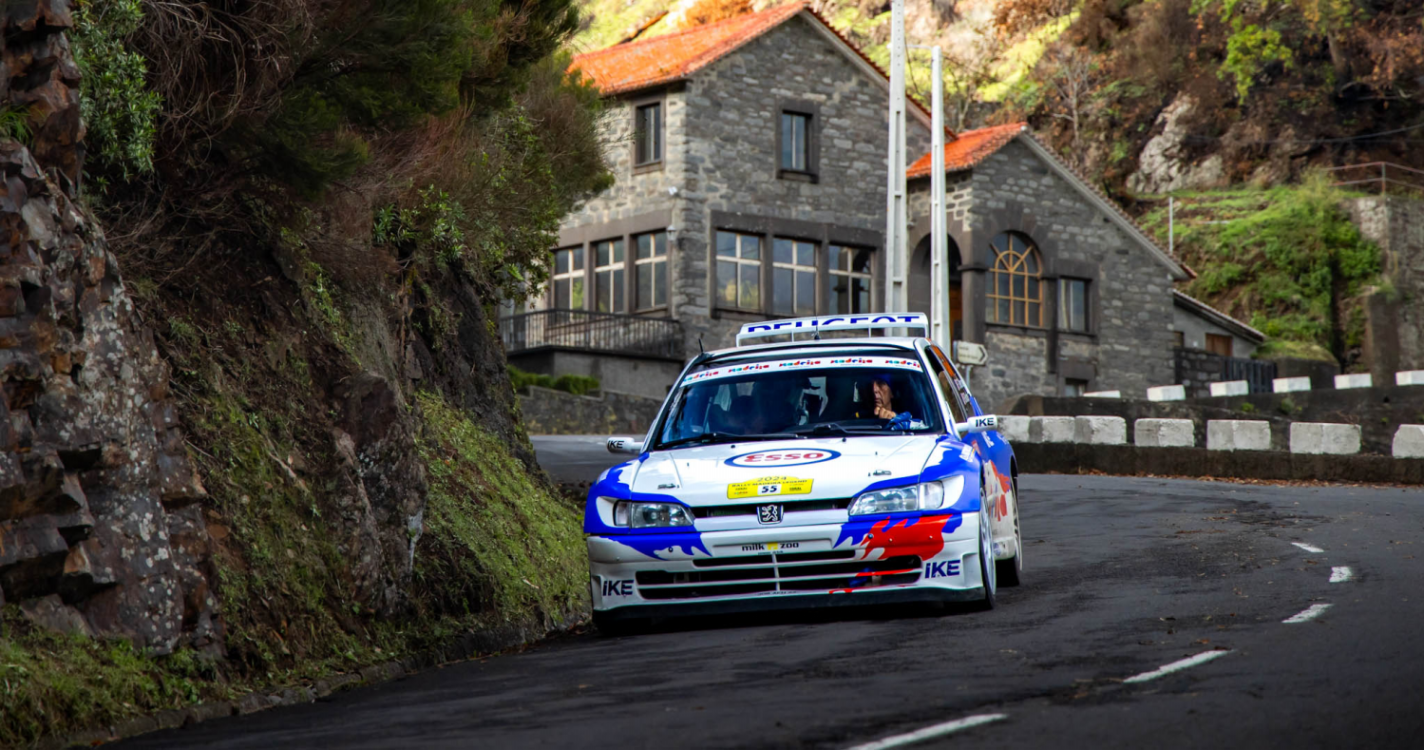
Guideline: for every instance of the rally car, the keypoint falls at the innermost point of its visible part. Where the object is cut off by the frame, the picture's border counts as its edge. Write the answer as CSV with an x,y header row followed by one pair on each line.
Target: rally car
x,y
832,471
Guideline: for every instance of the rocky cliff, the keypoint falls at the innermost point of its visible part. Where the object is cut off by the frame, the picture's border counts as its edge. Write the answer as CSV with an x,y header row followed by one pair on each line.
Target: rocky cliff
x,y
281,442
99,531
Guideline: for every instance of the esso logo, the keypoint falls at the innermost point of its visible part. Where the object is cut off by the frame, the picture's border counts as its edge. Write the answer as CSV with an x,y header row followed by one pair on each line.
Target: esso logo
x,y
782,458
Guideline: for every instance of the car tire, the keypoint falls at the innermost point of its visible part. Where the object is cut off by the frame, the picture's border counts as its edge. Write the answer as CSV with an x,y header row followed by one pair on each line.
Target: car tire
x,y
611,627
1010,572
988,570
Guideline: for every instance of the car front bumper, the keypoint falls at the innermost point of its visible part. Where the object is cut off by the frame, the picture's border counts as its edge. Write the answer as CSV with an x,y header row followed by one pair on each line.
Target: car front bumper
x,y
923,559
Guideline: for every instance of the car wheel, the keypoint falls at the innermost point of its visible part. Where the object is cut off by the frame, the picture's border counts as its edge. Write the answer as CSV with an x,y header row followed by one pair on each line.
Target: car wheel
x,y
987,569
1010,572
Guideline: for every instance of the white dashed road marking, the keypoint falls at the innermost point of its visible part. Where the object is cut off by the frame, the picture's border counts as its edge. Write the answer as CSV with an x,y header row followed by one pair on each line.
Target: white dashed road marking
x,y
930,732
1310,613
1176,666
1340,574
1312,549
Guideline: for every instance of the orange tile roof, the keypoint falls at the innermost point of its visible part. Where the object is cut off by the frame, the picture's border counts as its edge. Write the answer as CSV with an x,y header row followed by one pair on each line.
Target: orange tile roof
x,y
667,58
670,57
970,148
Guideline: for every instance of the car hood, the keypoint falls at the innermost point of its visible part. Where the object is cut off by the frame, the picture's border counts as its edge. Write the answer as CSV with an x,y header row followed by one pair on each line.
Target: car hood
x,y
824,468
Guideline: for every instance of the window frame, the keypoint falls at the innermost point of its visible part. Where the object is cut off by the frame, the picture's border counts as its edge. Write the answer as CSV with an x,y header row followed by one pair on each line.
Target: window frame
x,y
991,295
738,262
1063,284
573,274
797,268
616,288
832,272
812,112
665,260
637,107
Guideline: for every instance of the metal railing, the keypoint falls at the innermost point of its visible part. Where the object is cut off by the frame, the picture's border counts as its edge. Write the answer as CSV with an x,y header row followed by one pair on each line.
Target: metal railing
x,y
1391,179
592,331
1257,373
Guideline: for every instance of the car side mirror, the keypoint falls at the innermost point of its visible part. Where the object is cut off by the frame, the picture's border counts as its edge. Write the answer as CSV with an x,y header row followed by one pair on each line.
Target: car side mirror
x,y
985,423
625,445
970,353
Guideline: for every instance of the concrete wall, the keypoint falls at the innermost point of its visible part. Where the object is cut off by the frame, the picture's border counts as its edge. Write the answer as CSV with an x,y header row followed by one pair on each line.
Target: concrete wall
x,y
650,378
1129,345
1394,338
1194,329
547,412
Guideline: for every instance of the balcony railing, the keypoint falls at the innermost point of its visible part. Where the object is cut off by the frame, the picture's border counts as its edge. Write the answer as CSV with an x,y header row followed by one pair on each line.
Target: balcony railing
x,y
592,331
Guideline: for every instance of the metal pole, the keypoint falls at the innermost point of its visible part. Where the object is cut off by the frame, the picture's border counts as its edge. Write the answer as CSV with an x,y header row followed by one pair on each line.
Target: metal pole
x,y
895,163
1171,225
940,314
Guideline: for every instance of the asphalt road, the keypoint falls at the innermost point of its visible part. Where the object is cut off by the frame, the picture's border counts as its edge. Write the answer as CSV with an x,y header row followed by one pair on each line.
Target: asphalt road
x,y
1122,577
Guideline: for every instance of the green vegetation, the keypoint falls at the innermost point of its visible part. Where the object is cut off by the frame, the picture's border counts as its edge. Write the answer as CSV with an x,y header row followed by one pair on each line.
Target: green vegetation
x,y
579,385
54,682
494,540
119,109
1288,259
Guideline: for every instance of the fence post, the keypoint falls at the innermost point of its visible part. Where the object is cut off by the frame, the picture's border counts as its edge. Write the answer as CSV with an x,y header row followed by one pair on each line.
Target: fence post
x,y
1384,179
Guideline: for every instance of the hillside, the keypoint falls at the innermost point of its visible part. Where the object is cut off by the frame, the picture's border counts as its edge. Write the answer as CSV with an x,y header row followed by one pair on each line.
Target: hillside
x,y
259,422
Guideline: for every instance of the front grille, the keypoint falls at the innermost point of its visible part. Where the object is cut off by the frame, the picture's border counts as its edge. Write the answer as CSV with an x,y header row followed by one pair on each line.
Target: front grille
x,y
788,506
797,571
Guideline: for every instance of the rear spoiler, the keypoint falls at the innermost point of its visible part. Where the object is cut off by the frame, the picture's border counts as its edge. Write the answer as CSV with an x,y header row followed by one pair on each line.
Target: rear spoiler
x,y
865,323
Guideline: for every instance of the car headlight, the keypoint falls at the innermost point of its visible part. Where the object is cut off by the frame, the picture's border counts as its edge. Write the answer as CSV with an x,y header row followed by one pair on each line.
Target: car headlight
x,y
923,496
650,515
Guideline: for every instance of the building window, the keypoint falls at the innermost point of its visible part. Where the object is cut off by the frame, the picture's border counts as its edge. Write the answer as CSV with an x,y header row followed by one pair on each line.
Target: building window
x,y
793,277
648,134
1073,305
568,279
795,142
1074,388
1218,344
608,276
1179,339
652,270
848,288
1015,295
739,270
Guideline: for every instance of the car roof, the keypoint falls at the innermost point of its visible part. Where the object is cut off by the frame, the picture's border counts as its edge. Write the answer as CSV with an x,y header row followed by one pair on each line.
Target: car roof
x,y
798,348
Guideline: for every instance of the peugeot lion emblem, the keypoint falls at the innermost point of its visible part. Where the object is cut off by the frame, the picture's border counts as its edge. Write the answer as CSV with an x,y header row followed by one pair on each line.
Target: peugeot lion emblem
x,y
769,513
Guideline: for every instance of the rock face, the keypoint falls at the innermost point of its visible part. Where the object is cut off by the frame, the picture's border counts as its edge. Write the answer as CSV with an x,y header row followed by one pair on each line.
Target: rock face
x,y
1162,165
99,530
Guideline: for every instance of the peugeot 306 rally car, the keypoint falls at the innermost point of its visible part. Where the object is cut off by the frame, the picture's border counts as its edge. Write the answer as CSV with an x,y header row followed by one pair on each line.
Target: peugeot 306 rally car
x,y
834,471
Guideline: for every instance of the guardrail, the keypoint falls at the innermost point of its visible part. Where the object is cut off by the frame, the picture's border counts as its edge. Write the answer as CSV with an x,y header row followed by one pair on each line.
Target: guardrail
x,y
1391,178
593,332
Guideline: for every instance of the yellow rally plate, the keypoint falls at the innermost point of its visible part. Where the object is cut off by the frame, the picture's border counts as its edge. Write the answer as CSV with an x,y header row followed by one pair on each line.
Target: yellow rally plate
x,y
768,486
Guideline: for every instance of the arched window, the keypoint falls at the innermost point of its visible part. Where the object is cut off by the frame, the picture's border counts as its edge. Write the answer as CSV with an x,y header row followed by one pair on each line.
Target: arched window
x,y
1015,290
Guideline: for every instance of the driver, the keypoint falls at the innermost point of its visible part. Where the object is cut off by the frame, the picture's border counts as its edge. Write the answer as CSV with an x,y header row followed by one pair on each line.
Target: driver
x,y
884,397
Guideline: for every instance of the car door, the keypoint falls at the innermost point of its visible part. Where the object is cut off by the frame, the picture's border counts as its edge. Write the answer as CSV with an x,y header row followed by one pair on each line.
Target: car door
x,y
991,446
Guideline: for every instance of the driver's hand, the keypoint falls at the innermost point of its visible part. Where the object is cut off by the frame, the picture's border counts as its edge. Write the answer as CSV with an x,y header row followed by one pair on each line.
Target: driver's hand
x,y
883,413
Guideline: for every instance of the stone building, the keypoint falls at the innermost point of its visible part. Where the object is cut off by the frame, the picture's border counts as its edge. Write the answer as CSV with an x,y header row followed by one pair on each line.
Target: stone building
x,y
750,158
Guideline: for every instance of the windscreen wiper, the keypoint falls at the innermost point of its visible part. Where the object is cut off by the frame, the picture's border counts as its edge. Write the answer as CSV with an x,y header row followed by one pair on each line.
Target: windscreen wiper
x,y
711,438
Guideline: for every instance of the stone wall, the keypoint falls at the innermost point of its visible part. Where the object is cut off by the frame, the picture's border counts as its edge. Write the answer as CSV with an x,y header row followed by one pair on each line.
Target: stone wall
x,y
550,412
1394,338
99,530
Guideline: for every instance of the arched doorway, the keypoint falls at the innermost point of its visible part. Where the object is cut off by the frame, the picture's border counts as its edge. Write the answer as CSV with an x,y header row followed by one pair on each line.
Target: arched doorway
x,y
919,283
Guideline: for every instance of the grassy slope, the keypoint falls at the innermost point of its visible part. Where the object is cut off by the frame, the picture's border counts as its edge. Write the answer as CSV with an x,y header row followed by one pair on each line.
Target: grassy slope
x,y
497,547
1286,259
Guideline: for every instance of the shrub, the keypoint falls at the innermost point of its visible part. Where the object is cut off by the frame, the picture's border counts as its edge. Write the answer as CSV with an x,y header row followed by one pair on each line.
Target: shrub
x,y
579,385
118,108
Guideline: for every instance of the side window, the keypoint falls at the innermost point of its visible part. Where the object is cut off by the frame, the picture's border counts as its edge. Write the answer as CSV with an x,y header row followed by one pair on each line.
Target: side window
x,y
940,367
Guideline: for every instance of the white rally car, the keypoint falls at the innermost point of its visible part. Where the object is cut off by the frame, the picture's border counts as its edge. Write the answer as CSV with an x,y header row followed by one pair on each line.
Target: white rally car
x,y
834,471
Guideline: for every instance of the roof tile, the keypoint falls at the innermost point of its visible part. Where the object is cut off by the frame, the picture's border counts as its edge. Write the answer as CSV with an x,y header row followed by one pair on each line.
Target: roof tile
x,y
970,148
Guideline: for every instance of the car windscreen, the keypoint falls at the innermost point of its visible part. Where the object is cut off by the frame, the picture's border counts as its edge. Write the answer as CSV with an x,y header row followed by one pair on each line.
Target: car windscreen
x,y
812,397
